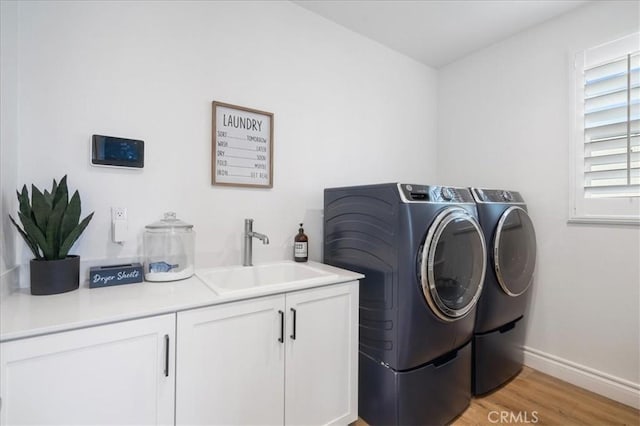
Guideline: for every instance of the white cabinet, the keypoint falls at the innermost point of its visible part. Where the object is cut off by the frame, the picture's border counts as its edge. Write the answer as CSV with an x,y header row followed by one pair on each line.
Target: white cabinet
x,y
321,371
230,364
285,359
112,374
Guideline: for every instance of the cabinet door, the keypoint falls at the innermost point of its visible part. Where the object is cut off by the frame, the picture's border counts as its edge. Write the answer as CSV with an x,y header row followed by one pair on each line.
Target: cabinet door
x,y
230,364
322,356
113,374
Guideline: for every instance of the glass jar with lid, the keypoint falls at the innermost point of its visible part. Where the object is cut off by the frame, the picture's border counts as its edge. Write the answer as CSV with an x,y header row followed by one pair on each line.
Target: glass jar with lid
x,y
169,246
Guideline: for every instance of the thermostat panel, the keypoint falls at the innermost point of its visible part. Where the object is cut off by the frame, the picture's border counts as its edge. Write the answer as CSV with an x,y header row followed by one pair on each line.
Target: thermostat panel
x,y
117,152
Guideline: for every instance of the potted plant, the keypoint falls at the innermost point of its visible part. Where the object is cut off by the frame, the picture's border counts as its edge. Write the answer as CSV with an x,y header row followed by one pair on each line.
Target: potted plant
x,y
50,226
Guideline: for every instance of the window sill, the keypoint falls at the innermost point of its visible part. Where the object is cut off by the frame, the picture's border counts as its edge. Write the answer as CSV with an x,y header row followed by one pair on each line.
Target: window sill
x,y
605,220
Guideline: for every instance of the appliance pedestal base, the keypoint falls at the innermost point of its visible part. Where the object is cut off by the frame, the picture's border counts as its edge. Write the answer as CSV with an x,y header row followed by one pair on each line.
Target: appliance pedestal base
x,y
433,394
497,356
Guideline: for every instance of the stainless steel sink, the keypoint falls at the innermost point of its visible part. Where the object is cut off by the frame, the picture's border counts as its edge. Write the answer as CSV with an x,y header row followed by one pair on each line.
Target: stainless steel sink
x,y
247,278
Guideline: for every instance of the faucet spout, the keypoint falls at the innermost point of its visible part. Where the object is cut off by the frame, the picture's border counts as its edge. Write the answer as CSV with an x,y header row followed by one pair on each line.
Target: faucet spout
x,y
261,237
249,235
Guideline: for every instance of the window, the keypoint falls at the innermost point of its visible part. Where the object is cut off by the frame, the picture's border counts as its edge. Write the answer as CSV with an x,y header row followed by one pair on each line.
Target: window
x,y
606,146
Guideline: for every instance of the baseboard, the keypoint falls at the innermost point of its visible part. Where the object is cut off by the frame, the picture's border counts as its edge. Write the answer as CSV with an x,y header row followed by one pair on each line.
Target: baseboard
x,y
612,387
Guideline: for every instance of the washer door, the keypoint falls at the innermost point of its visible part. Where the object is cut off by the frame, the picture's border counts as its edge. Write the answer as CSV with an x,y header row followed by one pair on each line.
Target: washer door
x,y
514,251
453,262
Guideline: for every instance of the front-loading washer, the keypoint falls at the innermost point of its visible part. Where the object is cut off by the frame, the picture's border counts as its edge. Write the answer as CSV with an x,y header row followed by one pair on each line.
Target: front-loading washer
x,y
423,255
499,331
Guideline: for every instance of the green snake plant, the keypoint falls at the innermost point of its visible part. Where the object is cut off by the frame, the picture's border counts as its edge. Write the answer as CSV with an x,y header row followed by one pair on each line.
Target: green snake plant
x,y
51,221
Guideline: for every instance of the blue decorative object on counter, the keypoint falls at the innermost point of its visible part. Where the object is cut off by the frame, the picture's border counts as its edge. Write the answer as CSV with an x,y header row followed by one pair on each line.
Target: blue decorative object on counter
x,y
161,267
104,276
168,249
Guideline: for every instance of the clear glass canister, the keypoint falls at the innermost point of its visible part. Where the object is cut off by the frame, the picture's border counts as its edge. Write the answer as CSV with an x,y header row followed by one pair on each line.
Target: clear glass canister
x,y
169,247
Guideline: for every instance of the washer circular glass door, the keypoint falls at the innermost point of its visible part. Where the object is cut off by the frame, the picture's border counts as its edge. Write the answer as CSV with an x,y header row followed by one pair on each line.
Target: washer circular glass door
x,y
514,251
453,262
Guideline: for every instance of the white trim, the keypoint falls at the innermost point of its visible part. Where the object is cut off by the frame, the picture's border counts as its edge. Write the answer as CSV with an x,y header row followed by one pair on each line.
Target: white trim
x,y
609,211
604,220
576,119
608,51
621,390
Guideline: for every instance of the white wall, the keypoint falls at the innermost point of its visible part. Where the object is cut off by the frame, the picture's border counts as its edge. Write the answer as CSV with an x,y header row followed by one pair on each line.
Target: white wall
x,y
503,122
347,111
8,138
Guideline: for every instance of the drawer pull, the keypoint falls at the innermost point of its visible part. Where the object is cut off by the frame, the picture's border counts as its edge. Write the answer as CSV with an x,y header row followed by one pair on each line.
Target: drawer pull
x,y
166,355
293,334
281,338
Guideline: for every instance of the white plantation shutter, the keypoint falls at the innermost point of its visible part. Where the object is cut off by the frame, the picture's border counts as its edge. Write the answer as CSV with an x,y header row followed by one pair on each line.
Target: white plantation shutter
x,y
606,145
612,128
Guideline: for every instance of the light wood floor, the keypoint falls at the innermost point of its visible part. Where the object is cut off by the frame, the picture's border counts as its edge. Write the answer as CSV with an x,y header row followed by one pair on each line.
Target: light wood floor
x,y
534,398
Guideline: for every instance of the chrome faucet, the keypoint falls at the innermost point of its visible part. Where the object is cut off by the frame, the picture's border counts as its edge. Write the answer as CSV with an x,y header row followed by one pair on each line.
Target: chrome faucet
x,y
247,255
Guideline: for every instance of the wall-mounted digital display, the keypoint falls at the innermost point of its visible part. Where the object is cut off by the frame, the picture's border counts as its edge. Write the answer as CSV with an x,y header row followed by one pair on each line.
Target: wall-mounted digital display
x,y
112,151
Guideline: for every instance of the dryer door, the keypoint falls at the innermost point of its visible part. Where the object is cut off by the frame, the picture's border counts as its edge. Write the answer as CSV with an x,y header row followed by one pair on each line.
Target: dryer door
x,y
514,251
453,262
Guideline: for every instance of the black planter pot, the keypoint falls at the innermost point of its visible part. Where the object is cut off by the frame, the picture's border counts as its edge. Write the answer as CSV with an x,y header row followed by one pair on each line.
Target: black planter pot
x,y
55,276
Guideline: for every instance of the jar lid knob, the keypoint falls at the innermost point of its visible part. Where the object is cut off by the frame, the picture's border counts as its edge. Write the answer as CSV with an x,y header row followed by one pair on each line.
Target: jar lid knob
x,y
170,216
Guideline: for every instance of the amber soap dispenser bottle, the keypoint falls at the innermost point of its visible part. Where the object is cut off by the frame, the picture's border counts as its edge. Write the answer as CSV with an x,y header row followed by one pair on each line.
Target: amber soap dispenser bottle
x,y
301,246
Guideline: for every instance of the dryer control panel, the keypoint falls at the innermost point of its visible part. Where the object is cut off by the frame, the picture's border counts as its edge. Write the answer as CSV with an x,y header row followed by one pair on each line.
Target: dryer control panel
x,y
497,196
434,194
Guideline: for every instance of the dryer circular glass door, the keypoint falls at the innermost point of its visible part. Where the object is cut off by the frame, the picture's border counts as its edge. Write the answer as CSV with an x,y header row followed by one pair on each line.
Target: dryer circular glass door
x,y
514,251
452,264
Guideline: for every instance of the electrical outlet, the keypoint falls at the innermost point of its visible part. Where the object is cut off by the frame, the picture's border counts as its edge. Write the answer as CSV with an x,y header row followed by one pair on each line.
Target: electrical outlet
x,y
118,213
119,224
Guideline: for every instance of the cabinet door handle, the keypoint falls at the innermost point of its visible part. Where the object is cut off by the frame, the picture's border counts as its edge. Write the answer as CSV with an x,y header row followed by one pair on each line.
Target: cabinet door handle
x,y
281,338
293,334
166,355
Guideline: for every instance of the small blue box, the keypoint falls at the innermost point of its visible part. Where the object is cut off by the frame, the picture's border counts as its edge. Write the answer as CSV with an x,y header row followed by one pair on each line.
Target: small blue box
x,y
104,276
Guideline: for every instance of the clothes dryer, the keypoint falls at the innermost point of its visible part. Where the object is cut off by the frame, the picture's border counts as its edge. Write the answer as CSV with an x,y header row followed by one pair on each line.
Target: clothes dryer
x,y
423,255
500,327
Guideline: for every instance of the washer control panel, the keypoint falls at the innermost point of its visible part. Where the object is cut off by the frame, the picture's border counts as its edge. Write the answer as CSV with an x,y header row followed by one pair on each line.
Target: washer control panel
x,y
497,196
434,194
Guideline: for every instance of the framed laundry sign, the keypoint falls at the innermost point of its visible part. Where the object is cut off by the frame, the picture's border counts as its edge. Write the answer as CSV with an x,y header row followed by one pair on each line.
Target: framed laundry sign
x,y
242,146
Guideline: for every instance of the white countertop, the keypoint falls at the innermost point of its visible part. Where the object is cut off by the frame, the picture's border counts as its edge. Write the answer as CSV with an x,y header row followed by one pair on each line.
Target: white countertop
x,y
23,315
